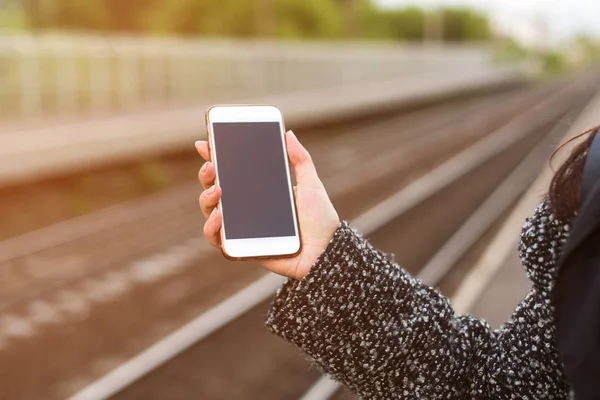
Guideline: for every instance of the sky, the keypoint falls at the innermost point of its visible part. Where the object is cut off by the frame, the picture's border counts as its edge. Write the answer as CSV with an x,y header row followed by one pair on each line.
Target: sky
x,y
562,18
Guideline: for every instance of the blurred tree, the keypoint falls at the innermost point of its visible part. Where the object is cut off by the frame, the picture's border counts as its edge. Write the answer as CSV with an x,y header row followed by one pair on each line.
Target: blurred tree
x,y
587,47
400,24
251,18
309,18
246,18
12,16
415,24
462,24
434,26
356,15
553,63
266,18
509,50
98,15
174,16
224,18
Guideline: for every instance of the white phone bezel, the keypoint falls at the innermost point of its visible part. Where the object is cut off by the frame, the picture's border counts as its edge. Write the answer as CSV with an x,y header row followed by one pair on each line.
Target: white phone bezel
x,y
253,247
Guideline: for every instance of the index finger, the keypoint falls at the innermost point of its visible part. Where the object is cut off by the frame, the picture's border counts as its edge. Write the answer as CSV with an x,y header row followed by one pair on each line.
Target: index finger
x,y
203,150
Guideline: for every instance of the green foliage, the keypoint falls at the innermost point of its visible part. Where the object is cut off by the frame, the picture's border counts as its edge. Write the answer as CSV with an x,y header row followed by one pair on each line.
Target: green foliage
x,y
588,49
402,24
308,18
509,50
461,24
553,63
251,18
94,15
244,18
414,24
12,16
223,18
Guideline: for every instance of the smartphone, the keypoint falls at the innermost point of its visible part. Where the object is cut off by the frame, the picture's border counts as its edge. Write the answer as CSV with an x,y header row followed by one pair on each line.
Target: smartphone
x,y
248,150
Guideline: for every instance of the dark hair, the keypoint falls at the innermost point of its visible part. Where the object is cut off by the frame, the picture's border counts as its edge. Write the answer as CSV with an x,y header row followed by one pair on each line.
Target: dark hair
x,y
565,189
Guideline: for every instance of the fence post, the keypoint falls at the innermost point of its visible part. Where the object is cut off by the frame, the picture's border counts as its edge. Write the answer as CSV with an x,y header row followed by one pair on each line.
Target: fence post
x,y
127,75
155,72
64,51
29,76
178,76
100,74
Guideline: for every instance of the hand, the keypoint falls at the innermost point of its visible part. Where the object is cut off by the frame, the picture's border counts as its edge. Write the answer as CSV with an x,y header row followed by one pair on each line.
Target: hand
x,y
316,215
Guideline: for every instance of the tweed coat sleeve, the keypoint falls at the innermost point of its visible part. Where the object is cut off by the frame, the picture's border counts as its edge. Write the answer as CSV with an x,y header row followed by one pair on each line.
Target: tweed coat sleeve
x,y
367,323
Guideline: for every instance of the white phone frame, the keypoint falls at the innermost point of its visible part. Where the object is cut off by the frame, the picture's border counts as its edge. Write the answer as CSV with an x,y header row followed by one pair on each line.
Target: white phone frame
x,y
253,247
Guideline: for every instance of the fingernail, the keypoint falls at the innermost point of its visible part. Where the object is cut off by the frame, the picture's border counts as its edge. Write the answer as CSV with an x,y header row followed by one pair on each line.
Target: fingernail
x,y
210,190
197,143
203,167
212,214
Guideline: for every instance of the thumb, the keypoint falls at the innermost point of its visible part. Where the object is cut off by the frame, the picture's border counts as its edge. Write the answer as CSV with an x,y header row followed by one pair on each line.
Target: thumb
x,y
304,168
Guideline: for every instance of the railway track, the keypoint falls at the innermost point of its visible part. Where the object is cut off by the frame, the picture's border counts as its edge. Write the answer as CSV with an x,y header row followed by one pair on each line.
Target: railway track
x,y
88,294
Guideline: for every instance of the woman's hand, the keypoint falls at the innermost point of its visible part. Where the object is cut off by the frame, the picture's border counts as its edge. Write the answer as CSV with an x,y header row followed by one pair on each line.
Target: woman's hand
x,y
317,216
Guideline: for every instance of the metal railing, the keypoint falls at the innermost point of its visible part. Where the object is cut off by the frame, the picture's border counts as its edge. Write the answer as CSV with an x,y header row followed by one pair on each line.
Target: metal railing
x,y
65,75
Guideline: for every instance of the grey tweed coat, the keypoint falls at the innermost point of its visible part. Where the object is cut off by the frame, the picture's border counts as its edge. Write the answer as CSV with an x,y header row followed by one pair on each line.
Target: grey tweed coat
x,y
385,335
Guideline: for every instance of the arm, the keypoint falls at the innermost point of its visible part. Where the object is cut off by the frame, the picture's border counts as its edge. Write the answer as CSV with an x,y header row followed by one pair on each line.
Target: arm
x,y
382,333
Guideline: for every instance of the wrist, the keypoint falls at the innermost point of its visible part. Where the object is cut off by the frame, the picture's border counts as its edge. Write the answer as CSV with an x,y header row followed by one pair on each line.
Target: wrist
x,y
313,250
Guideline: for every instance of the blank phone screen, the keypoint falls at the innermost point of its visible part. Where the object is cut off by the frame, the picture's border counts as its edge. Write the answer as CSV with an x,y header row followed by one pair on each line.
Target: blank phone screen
x,y
252,172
